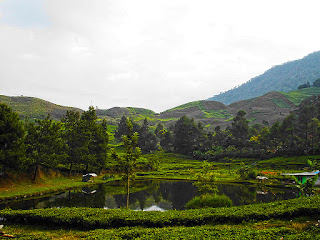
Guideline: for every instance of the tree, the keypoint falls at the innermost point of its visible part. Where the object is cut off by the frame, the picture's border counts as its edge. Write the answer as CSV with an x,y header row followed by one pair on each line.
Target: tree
x,y
306,188
122,128
306,114
147,140
275,135
12,151
316,83
240,129
87,140
127,163
99,144
166,140
73,138
205,179
159,130
184,135
306,85
287,129
44,143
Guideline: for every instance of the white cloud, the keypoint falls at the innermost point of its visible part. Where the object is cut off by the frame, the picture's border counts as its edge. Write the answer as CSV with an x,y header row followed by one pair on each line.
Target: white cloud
x,y
150,53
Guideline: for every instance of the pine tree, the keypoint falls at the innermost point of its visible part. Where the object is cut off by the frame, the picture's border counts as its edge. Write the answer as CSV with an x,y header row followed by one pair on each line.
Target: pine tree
x,y
12,150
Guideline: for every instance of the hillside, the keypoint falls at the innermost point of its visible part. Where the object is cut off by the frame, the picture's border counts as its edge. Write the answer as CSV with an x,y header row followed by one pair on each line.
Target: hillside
x,y
39,109
35,107
284,78
266,109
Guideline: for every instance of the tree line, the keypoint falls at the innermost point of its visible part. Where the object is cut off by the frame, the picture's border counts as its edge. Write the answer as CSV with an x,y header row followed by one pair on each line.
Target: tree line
x,y
76,139
298,134
79,139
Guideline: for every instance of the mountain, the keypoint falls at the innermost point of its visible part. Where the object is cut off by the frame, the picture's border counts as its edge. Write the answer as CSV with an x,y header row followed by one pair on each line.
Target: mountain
x,y
266,109
286,77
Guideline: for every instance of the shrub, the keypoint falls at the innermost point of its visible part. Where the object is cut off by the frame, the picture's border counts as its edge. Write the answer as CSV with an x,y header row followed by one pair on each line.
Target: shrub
x,y
209,200
247,173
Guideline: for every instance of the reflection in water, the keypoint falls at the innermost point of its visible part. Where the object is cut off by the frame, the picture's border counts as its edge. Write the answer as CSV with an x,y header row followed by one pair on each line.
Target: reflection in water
x,y
149,196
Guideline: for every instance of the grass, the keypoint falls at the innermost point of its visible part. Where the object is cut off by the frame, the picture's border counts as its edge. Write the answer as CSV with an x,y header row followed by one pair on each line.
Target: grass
x,y
207,113
141,111
298,96
32,107
15,188
187,105
281,103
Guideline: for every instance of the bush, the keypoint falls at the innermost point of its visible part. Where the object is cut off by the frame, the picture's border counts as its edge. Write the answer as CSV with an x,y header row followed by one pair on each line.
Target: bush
x,y
247,173
209,200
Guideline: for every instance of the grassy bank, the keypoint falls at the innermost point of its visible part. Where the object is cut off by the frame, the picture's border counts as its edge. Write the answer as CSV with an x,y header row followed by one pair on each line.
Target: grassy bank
x,y
172,167
15,188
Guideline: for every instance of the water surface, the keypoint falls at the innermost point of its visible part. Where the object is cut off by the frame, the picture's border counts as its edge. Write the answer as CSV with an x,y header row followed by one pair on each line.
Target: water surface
x,y
149,195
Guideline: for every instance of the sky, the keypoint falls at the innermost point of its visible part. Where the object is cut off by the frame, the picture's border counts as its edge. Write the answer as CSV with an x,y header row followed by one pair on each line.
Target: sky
x,y
154,54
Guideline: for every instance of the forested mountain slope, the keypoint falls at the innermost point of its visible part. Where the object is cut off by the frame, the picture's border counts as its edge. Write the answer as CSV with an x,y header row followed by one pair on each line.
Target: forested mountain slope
x,y
284,78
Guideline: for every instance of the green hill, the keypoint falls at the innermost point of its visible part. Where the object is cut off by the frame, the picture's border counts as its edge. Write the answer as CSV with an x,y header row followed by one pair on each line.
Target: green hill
x,y
266,109
35,107
298,96
284,78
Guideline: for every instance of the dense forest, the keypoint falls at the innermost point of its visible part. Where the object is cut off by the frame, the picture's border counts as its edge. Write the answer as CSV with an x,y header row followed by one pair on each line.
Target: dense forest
x,y
82,139
286,77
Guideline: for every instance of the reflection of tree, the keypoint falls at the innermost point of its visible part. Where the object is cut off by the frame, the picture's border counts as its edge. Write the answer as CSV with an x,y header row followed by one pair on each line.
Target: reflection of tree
x,y
83,198
179,193
239,194
128,162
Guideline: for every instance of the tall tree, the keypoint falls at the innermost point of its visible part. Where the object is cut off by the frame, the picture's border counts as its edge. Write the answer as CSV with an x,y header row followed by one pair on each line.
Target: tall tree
x,y
122,128
99,145
166,140
12,151
76,149
159,130
184,135
86,139
127,162
147,140
240,129
288,130
44,143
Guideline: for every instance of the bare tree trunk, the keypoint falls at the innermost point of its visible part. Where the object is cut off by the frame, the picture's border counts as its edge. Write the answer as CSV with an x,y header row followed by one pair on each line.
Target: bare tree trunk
x,y
35,172
70,171
128,191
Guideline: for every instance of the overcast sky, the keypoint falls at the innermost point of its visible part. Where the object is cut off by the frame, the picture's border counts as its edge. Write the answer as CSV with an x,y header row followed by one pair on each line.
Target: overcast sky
x,y
154,54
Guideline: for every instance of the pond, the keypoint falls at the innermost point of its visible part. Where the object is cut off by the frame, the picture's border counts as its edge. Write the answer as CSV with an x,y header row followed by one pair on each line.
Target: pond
x,y
150,195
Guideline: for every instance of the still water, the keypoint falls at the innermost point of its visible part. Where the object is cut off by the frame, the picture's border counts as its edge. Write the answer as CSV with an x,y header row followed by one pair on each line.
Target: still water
x,y
149,195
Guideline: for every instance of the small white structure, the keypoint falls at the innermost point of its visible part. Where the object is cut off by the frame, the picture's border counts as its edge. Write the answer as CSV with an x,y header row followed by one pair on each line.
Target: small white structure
x,y
87,177
261,178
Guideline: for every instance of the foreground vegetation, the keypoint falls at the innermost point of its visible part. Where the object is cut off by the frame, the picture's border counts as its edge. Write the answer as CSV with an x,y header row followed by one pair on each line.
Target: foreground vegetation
x,y
287,219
